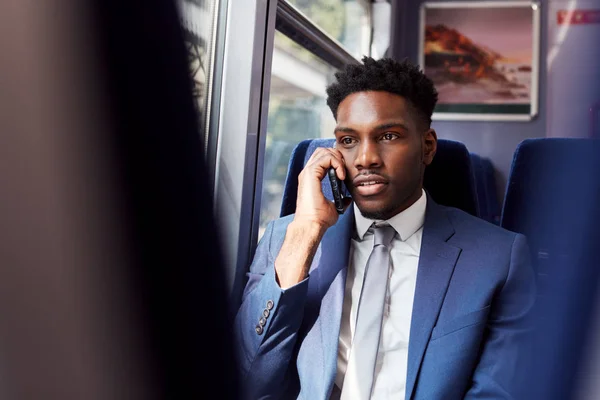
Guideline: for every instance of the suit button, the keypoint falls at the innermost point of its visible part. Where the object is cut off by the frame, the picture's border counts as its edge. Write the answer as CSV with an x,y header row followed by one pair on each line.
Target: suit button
x,y
258,330
262,322
266,313
270,305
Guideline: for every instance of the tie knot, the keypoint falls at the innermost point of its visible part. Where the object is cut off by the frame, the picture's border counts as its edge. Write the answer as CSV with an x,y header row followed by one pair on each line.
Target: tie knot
x,y
383,235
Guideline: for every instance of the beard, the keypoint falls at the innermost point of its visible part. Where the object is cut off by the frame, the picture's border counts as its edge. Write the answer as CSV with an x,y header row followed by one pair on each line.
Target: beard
x,y
381,214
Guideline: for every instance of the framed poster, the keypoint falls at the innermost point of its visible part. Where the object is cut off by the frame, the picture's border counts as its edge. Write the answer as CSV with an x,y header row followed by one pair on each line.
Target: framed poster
x,y
483,58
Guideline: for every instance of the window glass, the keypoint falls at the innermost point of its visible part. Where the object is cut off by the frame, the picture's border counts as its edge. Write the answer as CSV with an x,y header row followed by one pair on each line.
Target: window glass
x,y
297,111
197,17
347,21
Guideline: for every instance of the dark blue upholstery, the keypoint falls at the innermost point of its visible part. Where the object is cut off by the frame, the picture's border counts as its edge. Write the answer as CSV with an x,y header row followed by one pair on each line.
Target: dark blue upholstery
x,y
547,187
552,197
547,194
491,191
449,179
477,165
485,185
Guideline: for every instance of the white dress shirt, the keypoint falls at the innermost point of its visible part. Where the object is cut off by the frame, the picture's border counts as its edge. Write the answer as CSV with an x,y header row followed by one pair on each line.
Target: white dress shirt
x,y
392,358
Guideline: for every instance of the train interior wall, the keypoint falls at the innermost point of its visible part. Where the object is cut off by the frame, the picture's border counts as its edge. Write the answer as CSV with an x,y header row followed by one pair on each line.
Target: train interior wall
x,y
572,56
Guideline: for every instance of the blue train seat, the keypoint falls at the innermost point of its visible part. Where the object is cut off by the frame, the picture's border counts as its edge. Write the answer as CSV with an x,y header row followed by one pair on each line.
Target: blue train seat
x,y
485,185
552,197
549,183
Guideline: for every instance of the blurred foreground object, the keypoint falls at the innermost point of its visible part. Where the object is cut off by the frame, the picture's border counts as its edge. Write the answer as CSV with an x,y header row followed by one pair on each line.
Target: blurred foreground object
x,y
110,278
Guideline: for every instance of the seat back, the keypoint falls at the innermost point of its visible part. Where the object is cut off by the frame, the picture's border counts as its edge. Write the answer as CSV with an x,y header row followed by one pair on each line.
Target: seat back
x,y
552,197
485,186
449,179
549,198
491,191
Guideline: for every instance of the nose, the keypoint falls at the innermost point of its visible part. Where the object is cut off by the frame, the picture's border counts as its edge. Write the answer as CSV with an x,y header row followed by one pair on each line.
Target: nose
x,y
368,156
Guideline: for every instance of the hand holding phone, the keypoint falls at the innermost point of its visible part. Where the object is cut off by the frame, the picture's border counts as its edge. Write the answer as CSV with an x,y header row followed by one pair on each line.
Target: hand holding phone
x,y
336,189
313,208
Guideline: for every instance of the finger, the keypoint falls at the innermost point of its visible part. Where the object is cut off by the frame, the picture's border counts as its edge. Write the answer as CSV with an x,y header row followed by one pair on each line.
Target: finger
x,y
330,161
318,153
337,162
341,169
336,151
322,151
323,161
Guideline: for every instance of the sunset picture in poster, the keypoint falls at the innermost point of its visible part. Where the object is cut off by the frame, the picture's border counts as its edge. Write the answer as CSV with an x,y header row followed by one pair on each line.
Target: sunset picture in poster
x,y
483,58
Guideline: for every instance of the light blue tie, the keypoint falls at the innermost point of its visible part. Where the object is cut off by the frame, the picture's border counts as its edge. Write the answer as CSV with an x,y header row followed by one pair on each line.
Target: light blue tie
x,y
358,380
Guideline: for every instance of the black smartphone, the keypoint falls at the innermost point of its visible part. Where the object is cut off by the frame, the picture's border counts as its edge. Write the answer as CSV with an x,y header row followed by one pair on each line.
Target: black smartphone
x,y
336,189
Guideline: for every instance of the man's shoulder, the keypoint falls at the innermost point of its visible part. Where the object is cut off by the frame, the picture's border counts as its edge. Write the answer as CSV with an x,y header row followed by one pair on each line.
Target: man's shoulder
x,y
467,225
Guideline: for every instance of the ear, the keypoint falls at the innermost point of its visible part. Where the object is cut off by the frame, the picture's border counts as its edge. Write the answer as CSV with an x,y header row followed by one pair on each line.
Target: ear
x,y
429,146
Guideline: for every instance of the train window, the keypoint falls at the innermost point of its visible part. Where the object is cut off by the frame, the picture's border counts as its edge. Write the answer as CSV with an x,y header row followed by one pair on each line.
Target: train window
x,y
346,21
297,111
198,18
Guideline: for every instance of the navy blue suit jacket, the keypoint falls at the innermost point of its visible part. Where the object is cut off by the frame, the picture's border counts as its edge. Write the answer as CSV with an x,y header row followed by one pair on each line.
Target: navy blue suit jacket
x,y
468,336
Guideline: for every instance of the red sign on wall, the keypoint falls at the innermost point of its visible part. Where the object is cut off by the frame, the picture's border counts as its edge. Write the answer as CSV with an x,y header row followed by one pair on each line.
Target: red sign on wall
x,y
578,17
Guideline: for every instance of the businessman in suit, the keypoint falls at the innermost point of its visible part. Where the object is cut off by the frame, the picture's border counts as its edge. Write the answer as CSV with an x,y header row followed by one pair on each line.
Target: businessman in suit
x,y
398,297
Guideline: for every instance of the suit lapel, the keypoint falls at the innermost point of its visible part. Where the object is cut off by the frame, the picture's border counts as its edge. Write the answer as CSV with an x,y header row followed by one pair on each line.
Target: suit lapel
x,y
329,270
436,265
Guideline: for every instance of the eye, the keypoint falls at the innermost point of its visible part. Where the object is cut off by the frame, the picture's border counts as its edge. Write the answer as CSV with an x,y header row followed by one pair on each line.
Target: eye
x,y
347,141
389,136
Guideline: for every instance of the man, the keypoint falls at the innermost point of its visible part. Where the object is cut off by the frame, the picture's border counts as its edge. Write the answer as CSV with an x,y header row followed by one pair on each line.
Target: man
x,y
398,297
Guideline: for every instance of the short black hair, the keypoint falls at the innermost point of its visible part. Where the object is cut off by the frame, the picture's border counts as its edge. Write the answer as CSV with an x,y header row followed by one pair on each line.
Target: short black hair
x,y
388,75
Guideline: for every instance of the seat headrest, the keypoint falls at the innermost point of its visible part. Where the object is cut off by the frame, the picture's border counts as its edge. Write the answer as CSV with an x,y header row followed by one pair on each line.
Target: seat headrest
x,y
449,179
550,180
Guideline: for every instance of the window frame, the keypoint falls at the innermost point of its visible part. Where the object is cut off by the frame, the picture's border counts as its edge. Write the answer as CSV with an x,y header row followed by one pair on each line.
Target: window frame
x,y
214,74
298,27
242,121
295,25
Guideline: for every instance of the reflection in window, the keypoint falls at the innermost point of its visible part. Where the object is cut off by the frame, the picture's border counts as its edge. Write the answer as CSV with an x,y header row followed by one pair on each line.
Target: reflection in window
x,y
198,21
347,21
297,111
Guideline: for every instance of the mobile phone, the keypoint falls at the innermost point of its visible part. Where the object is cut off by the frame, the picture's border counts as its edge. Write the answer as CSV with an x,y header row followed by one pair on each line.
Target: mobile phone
x,y
336,189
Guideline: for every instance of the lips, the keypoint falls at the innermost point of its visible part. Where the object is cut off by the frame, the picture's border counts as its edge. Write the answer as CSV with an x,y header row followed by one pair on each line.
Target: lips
x,y
369,185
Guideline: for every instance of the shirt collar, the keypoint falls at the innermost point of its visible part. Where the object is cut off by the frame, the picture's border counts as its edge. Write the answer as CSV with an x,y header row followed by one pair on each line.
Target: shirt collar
x,y
405,223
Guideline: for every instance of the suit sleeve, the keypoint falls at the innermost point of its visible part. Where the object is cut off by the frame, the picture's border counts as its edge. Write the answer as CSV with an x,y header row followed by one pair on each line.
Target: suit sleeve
x,y
505,353
265,348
